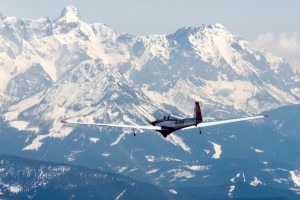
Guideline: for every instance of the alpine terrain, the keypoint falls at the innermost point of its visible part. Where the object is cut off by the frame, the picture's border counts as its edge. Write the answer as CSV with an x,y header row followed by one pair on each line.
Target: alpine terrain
x,y
68,69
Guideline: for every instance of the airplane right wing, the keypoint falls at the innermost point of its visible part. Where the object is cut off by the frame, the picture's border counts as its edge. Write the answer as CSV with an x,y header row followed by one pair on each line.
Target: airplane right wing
x,y
213,123
115,125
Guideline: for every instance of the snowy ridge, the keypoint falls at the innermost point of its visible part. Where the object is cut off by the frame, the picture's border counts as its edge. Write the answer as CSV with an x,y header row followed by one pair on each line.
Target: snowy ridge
x,y
94,102
255,182
231,190
176,140
295,177
70,14
161,159
218,150
205,63
68,69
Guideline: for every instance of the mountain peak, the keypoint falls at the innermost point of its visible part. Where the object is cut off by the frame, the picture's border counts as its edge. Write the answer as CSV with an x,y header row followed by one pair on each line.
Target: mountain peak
x,y
220,26
1,15
70,13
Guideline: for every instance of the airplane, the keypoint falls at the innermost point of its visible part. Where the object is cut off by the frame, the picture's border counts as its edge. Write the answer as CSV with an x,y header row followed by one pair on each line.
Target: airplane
x,y
169,124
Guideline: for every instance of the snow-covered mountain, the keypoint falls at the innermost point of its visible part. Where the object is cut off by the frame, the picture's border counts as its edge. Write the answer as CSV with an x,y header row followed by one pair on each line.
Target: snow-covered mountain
x,y
213,65
207,63
66,68
237,160
30,179
96,91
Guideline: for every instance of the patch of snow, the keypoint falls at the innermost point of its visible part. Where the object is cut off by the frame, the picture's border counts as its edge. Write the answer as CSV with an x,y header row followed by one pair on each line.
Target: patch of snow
x,y
59,131
36,143
218,150
152,171
15,189
206,151
15,110
233,137
150,158
296,91
172,191
269,170
94,140
230,192
279,94
197,167
295,176
284,170
72,155
161,159
121,169
12,188
132,170
118,139
56,132
33,129
264,162
255,182
62,169
237,176
20,125
257,150
179,173
227,92
280,180
5,76
121,194
296,190
178,141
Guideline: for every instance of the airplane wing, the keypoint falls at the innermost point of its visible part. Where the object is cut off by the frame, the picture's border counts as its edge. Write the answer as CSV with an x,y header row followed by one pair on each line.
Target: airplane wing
x,y
115,125
204,124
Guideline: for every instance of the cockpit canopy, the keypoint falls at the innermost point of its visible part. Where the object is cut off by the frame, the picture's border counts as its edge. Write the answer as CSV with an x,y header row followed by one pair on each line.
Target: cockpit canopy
x,y
168,117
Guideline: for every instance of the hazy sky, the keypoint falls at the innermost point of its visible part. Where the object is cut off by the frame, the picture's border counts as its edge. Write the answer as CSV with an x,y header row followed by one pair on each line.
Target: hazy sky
x,y
270,24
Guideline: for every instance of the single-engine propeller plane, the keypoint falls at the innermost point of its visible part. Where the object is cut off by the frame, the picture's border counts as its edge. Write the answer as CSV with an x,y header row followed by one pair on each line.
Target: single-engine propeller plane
x,y
170,123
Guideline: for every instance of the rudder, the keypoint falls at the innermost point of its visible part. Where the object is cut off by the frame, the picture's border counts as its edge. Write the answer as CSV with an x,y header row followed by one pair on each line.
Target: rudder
x,y
197,113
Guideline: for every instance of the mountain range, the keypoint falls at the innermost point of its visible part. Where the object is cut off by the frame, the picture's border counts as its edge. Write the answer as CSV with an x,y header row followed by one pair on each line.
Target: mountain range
x,y
68,69
22,178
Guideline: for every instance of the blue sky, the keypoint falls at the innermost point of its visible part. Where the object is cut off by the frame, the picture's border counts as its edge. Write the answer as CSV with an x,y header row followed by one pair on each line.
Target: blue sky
x,y
269,24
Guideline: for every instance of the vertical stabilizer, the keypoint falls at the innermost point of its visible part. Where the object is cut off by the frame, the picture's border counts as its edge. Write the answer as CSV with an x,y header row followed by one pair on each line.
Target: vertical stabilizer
x,y
197,113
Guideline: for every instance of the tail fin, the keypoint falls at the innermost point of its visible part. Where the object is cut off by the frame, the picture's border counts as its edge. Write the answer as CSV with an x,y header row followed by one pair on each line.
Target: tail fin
x,y
197,113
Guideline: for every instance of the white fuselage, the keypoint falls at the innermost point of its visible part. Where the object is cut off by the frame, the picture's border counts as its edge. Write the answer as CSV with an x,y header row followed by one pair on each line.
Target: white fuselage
x,y
174,123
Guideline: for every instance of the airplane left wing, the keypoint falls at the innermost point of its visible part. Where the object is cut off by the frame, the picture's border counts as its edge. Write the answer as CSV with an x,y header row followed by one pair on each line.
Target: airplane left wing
x,y
204,124
115,125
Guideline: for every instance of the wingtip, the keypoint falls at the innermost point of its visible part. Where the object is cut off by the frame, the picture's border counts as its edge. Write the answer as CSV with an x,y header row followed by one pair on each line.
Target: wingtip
x,y
266,116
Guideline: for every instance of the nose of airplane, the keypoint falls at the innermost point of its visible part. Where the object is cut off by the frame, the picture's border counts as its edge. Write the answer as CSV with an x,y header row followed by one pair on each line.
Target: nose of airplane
x,y
153,123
